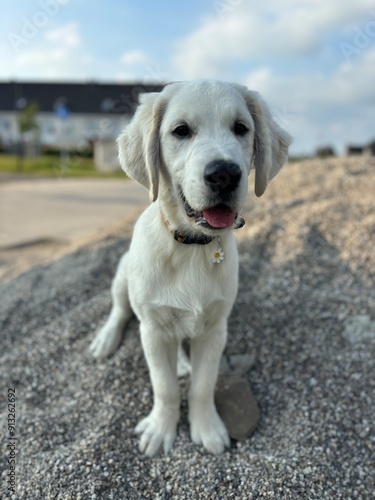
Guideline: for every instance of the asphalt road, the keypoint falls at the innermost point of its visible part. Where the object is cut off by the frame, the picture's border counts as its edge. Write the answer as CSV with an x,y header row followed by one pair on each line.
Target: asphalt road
x,y
63,209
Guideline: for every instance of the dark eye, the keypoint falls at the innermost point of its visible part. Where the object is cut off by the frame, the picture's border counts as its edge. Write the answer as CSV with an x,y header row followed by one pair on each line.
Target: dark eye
x,y
240,129
182,131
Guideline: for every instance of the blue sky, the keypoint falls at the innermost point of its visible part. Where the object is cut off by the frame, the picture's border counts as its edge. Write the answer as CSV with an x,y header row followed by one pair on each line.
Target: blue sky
x,y
312,60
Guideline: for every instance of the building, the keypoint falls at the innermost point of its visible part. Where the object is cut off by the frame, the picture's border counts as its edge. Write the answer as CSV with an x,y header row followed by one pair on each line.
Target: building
x,y
368,150
354,150
72,116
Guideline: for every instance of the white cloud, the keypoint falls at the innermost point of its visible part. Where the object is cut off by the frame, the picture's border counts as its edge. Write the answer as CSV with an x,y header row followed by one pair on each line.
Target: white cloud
x,y
67,35
240,30
126,77
135,57
351,83
317,107
137,65
354,81
54,54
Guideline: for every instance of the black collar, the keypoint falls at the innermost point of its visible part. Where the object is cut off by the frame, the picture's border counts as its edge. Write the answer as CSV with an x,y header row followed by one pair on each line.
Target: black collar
x,y
186,238
191,240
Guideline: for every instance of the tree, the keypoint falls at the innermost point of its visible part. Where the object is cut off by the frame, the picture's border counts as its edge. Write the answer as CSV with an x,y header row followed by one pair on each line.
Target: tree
x,y
27,123
325,152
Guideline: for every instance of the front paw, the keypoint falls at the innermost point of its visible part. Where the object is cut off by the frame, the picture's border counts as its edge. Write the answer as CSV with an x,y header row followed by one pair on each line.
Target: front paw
x,y
106,342
207,428
158,429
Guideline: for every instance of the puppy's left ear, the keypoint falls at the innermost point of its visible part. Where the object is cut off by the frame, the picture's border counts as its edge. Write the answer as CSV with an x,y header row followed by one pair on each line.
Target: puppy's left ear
x,y
139,145
271,142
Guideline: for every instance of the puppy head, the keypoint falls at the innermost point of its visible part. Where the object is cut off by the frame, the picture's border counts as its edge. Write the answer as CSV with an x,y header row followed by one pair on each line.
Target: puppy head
x,y
204,137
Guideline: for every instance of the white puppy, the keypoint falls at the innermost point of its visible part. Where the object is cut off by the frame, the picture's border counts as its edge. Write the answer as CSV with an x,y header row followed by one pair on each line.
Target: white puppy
x,y
192,146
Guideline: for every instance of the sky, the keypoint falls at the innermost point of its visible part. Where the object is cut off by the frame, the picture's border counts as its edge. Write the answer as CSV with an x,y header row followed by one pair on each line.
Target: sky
x,y
313,61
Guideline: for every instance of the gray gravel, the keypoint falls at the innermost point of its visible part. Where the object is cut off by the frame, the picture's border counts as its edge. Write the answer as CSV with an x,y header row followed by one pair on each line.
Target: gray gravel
x,y
305,310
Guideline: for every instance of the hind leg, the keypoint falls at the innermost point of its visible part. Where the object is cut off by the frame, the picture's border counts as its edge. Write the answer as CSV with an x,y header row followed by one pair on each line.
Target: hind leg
x,y
109,337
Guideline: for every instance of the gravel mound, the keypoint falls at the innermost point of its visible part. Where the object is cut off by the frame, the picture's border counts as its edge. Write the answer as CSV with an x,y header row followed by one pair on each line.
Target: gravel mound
x,y
305,310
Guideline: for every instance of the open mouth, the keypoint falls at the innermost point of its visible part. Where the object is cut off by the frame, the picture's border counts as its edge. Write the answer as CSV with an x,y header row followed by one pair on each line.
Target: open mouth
x,y
217,217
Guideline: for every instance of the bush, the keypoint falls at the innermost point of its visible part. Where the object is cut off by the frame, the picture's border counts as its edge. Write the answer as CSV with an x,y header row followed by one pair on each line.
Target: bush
x,y
325,152
51,151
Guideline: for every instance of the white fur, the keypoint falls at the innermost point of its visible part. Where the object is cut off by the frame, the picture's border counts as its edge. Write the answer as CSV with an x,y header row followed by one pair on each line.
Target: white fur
x,y
176,290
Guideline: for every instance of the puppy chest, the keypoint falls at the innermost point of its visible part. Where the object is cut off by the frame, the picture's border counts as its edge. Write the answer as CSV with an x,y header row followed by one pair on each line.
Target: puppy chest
x,y
185,324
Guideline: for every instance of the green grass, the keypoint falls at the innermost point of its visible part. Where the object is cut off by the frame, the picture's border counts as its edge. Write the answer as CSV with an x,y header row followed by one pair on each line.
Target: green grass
x,y
53,166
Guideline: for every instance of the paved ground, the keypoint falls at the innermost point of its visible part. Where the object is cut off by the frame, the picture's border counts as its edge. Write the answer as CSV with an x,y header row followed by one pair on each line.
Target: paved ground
x,y
39,218
63,209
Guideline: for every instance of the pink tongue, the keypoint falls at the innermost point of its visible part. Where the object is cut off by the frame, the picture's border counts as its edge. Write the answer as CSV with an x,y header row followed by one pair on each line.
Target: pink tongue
x,y
219,216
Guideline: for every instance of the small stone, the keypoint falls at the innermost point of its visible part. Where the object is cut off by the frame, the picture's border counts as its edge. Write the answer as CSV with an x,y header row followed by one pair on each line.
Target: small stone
x,y
359,328
237,407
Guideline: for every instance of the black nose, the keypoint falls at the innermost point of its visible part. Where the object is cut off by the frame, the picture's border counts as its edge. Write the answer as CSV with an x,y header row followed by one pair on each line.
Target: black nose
x,y
222,176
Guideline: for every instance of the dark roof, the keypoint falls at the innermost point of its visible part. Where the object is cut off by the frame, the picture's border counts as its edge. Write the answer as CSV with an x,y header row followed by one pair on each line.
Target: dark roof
x,y
77,97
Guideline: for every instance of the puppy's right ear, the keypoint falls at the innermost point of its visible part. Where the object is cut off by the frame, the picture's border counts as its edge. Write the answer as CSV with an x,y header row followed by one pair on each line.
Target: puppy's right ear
x,y
139,146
